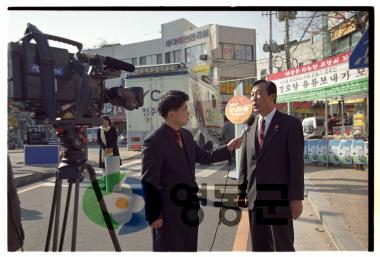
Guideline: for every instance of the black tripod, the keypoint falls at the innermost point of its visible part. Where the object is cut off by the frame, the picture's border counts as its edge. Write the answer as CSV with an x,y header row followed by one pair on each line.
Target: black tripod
x,y
72,167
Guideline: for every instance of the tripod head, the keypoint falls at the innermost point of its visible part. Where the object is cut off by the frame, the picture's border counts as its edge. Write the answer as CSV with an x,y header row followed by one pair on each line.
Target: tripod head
x,y
74,146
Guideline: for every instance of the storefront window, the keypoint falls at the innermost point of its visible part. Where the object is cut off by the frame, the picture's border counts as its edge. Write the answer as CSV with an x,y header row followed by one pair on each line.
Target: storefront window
x,y
228,86
228,51
151,59
248,53
239,52
143,60
159,58
167,57
178,56
173,56
132,60
192,53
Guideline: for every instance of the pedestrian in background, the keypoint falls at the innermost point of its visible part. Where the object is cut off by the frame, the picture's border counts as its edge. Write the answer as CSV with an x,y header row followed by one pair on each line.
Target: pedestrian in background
x,y
272,160
228,130
107,139
228,133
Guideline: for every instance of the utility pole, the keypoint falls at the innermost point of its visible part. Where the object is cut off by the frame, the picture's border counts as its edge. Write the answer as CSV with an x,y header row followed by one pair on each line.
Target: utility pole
x,y
286,16
287,47
270,43
327,51
272,47
287,55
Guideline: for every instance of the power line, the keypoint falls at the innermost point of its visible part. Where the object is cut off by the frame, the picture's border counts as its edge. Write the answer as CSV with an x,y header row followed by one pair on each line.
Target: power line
x,y
230,80
304,32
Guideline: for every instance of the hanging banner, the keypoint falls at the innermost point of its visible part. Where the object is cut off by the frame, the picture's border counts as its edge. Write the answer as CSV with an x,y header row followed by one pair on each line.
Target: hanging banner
x,y
321,74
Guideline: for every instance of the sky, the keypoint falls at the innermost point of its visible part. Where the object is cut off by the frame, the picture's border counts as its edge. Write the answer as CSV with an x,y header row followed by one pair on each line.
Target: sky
x,y
124,27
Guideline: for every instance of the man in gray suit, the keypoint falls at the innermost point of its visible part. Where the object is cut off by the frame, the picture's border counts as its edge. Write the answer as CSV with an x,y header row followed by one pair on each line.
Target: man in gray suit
x,y
271,175
168,168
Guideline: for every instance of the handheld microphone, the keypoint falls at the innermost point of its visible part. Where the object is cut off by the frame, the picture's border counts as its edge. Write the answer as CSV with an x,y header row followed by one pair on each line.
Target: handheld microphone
x,y
110,62
248,126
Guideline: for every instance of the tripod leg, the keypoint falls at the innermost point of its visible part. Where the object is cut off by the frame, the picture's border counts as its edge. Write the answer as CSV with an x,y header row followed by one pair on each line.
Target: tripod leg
x,y
51,219
106,215
75,218
65,217
57,211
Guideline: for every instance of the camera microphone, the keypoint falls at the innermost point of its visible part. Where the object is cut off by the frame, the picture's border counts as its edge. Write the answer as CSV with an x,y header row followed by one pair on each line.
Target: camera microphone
x,y
117,64
110,62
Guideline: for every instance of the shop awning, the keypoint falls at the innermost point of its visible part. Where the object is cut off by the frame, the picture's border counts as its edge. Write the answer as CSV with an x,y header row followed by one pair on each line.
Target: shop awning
x,y
333,102
343,89
354,101
349,101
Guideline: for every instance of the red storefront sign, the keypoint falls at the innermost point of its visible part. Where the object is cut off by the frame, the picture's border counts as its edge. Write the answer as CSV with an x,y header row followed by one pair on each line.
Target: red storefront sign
x,y
331,61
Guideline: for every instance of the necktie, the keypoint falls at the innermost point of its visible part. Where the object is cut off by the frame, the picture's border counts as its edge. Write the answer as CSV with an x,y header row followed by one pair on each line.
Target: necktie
x,y
178,138
261,133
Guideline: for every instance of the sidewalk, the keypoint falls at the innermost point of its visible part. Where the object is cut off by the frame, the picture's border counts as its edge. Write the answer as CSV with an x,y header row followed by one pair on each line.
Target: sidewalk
x,y
340,197
28,174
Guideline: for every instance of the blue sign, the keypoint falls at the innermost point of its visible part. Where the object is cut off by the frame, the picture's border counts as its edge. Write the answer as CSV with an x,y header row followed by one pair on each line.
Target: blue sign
x,y
359,57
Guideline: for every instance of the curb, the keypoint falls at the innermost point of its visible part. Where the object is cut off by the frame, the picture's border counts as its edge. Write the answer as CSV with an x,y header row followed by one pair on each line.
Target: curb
x,y
338,232
39,176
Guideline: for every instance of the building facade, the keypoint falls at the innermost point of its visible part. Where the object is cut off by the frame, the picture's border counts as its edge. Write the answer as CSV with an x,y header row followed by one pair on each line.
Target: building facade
x,y
223,54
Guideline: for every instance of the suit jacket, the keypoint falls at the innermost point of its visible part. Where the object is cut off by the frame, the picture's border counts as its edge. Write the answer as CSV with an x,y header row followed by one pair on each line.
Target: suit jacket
x,y
279,162
166,165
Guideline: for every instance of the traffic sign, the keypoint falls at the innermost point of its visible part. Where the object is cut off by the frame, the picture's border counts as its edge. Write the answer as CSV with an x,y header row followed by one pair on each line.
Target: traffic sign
x,y
359,57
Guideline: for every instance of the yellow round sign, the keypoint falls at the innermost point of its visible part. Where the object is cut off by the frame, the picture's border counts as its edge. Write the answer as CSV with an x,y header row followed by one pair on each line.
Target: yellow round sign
x,y
238,109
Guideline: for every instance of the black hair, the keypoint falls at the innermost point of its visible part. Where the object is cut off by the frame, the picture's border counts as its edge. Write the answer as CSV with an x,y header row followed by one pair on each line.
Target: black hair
x,y
171,101
269,85
107,119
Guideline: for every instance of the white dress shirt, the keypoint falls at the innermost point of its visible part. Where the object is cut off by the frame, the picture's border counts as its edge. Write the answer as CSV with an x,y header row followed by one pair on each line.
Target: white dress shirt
x,y
268,120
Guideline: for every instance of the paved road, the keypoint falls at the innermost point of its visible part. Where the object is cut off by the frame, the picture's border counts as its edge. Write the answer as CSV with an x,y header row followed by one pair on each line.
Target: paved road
x,y
36,201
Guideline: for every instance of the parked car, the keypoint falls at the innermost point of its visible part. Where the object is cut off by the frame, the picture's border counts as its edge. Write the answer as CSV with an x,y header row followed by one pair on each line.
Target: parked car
x,y
313,127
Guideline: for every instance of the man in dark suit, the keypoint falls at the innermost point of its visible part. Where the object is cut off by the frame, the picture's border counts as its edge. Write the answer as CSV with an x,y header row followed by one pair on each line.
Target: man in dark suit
x,y
271,172
168,168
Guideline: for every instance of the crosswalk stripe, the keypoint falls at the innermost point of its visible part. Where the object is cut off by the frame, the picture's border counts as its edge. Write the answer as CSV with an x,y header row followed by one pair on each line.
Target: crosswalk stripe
x,y
133,168
130,163
205,173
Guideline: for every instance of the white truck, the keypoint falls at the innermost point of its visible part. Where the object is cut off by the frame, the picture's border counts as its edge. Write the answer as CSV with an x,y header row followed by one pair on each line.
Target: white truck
x,y
206,119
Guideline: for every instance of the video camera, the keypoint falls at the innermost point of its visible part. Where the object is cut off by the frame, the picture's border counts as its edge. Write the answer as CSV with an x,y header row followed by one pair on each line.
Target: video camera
x,y
61,86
